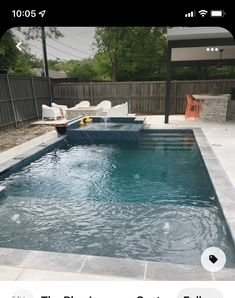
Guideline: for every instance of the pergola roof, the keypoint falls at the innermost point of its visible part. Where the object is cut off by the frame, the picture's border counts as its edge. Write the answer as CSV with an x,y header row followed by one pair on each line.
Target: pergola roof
x,y
189,46
193,46
190,33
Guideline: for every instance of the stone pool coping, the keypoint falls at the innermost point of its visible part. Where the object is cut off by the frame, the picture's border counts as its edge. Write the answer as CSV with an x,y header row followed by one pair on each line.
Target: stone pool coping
x,y
221,183
22,153
18,264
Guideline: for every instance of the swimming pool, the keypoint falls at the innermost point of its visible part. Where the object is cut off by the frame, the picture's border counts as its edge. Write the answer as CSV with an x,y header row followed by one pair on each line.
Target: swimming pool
x,y
150,200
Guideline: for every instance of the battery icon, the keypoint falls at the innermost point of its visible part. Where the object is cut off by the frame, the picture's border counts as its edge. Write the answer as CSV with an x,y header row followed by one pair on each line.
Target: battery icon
x,y
217,13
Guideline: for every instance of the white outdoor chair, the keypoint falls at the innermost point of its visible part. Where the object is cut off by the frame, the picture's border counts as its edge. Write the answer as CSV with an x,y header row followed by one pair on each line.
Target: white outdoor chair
x,y
50,112
62,108
118,111
105,105
115,111
83,104
125,108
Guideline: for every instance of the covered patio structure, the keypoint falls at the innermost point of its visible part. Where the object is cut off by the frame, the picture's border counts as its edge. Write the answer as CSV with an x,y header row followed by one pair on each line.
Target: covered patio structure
x,y
196,46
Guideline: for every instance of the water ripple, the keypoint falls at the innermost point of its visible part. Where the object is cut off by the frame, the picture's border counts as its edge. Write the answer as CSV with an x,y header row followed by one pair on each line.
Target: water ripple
x,y
111,201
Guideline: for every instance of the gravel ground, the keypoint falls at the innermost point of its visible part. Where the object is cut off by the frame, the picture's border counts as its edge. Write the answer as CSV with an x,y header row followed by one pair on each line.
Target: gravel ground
x,y
10,137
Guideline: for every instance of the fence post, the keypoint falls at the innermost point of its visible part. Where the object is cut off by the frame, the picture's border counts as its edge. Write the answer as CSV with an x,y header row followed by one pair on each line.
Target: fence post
x,y
91,93
115,92
129,96
12,101
224,82
52,90
34,97
175,103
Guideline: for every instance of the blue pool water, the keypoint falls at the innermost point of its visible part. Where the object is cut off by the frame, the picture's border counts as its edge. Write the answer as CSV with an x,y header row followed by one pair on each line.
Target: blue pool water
x,y
151,201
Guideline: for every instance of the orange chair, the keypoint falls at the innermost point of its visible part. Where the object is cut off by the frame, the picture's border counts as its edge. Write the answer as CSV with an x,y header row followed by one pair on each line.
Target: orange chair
x,y
193,108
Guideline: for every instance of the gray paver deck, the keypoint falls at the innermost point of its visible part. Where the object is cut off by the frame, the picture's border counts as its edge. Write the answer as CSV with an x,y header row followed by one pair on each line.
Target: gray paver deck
x,y
53,261
12,257
169,271
114,267
37,265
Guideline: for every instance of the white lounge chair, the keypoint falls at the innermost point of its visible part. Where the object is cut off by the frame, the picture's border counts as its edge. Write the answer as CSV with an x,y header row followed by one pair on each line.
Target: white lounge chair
x,y
118,111
50,112
105,105
83,104
62,108
125,108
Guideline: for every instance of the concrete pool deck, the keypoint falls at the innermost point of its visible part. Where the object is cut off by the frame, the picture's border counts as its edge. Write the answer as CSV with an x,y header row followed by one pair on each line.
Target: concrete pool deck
x,y
17,264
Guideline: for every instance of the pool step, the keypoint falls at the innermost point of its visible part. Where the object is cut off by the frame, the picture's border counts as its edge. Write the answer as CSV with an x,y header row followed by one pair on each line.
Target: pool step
x,y
164,147
166,134
160,143
166,141
166,137
169,140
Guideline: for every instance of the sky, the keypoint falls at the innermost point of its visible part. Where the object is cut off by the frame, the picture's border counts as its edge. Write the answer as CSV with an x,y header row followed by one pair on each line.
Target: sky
x,y
76,44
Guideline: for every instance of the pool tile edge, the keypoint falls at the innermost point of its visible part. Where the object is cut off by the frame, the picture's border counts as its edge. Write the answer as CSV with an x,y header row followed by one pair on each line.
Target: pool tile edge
x,y
7,163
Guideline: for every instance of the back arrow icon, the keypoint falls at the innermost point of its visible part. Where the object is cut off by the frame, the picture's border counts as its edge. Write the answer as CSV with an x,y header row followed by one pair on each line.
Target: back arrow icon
x,y
18,46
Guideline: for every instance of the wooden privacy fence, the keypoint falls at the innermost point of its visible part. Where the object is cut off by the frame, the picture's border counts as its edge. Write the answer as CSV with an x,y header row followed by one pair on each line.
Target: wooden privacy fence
x,y
21,98
142,97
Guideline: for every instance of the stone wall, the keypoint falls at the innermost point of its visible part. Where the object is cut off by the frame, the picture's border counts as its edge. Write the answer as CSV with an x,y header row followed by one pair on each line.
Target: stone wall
x,y
231,110
214,110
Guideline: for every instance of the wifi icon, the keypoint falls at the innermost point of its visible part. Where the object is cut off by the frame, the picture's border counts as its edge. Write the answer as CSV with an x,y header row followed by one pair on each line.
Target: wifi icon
x,y
203,12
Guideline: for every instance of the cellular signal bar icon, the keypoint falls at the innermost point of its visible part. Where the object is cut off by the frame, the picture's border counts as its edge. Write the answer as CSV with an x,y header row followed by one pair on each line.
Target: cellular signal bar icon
x,y
190,14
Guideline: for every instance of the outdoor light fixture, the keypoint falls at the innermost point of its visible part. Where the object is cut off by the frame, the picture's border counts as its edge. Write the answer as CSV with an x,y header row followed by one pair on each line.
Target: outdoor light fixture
x,y
221,52
219,65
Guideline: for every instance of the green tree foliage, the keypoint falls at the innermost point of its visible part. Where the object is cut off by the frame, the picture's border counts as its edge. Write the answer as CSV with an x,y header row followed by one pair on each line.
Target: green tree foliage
x,y
11,59
36,62
124,53
113,41
139,53
135,53
204,73
8,51
16,62
145,57
102,67
83,70
56,65
35,32
23,65
226,72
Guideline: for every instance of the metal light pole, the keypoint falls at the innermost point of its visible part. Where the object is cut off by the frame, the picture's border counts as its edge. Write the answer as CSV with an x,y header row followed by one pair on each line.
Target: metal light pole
x,y
45,63
168,85
44,50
